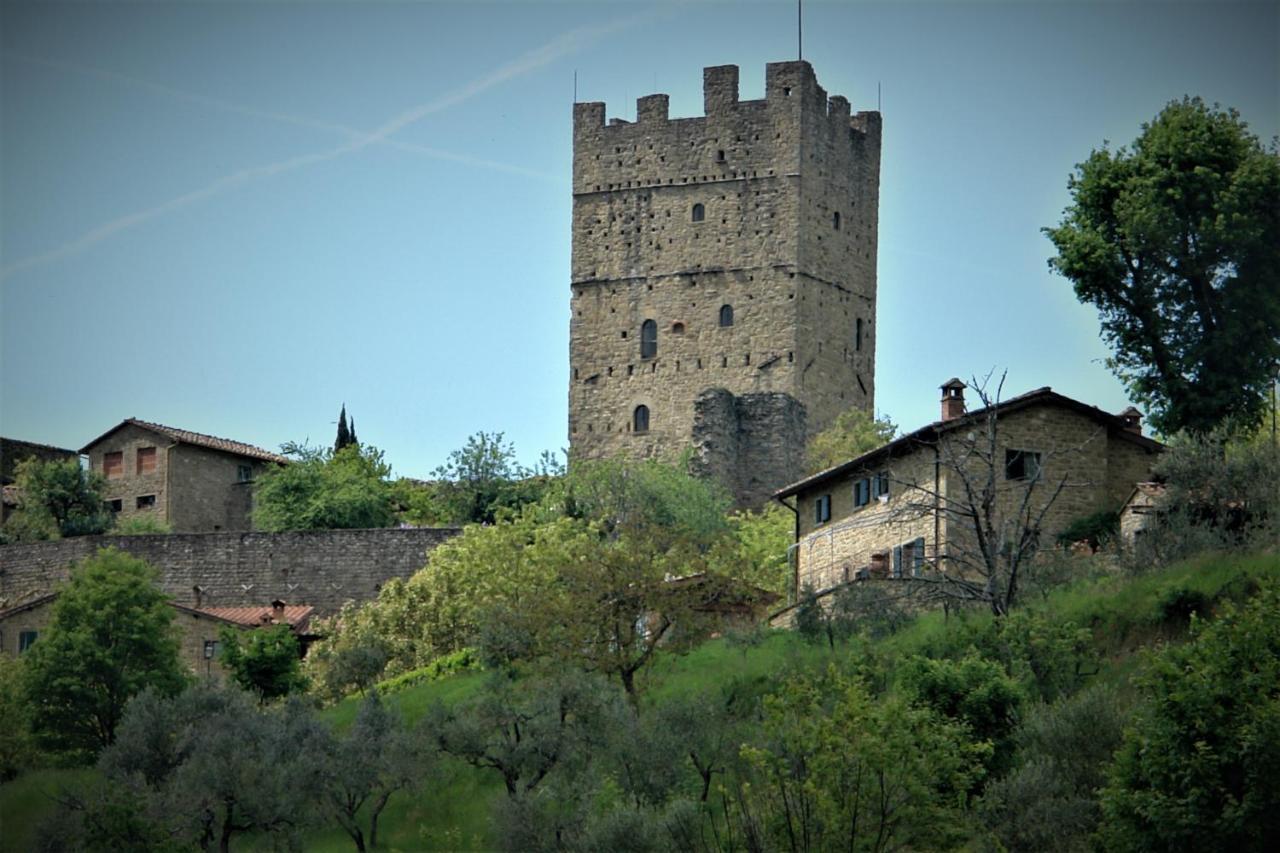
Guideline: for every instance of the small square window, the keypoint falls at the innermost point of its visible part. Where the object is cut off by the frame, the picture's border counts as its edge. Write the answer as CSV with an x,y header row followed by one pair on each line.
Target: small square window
x,y
882,484
113,464
146,501
146,460
115,504
862,492
244,473
1021,465
26,639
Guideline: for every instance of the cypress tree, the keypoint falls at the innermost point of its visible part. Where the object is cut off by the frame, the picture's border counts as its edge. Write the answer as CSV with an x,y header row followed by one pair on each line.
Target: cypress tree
x,y
344,435
352,430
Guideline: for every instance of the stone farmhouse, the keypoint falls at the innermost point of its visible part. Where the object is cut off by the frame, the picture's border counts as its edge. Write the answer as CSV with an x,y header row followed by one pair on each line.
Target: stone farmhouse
x,y
195,483
198,629
723,277
900,509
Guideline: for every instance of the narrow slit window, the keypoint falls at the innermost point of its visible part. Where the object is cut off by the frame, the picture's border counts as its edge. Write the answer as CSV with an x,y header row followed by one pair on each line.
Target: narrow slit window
x,y
857,334
835,220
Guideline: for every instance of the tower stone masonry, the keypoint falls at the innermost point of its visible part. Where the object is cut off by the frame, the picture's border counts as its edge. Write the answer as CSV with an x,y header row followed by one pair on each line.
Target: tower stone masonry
x,y
723,277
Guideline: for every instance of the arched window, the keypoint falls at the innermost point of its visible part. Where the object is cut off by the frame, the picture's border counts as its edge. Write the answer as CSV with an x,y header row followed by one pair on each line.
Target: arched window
x,y
835,220
640,420
648,339
677,328
726,315
699,212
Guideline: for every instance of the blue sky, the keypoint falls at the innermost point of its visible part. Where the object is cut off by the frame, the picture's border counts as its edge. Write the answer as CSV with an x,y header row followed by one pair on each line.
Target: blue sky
x,y
234,217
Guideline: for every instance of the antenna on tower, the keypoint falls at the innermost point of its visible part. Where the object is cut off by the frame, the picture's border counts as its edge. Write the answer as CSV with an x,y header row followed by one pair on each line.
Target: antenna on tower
x,y
800,29
877,96
575,85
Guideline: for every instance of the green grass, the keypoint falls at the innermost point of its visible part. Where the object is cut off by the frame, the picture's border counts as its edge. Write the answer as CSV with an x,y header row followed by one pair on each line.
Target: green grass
x,y
1123,614
27,800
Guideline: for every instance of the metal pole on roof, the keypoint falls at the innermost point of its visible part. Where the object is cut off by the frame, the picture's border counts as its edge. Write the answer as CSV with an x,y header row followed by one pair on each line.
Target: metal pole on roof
x,y
799,29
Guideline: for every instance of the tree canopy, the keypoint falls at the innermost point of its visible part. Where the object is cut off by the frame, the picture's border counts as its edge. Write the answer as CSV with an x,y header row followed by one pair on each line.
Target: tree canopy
x,y
853,433
1176,242
325,490
110,636
265,660
57,498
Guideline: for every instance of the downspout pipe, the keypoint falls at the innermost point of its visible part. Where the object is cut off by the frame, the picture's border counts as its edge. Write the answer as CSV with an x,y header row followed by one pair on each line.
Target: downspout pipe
x,y
795,585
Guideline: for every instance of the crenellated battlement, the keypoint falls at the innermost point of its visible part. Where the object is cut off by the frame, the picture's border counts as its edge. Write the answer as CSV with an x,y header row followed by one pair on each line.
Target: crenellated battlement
x,y
788,86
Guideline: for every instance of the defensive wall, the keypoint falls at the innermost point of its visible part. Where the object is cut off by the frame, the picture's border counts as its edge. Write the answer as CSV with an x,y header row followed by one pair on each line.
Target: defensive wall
x,y
323,568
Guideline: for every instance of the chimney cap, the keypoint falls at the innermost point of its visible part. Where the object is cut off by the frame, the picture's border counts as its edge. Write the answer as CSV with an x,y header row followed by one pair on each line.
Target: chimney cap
x,y
1131,412
953,382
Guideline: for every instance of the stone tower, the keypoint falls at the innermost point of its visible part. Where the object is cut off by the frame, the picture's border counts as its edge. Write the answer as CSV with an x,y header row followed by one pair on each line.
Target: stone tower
x,y
723,276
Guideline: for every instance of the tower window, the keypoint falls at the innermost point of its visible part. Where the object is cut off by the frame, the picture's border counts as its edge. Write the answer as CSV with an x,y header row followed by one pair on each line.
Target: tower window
x,y
640,420
677,328
699,212
857,334
835,220
648,339
726,315
720,156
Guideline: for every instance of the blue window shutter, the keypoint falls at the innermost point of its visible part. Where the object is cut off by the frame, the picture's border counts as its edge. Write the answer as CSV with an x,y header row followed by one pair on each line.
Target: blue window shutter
x,y
917,551
897,561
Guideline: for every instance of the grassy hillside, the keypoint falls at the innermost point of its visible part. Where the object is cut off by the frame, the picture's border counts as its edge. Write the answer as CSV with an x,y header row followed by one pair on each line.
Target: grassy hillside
x,y
1121,615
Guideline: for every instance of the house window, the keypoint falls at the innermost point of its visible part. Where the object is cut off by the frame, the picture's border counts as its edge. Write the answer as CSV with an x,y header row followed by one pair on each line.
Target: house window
x,y
862,492
146,501
115,504
212,648
1021,465
146,460
699,213
113,464
648,339
640,419
882,484
822,510
26,639
726,315
244,473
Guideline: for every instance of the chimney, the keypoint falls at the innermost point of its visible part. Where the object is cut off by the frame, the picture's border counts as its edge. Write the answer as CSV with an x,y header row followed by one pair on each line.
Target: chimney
x,y
199,594
952,399
277,612
1132,420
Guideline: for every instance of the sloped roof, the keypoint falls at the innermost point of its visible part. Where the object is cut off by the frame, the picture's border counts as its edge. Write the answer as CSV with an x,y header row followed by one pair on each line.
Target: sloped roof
x,y
186,436
28,605
296,616
929,434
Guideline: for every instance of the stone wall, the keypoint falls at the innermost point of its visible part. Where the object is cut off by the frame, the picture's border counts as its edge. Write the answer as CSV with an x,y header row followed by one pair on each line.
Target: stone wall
x,y
767,178
749,443
323,568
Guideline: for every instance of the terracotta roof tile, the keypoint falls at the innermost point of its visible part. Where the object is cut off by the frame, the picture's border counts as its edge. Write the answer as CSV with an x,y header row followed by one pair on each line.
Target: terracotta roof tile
x,y
295,615
186,436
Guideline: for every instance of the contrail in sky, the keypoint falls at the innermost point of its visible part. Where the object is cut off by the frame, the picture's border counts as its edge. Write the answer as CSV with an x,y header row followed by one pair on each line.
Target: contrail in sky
x,y
285,118
567,43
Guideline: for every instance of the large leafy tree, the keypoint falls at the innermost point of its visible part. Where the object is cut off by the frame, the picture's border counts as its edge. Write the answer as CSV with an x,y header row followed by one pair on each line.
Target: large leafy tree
x,y
265,660
853,433
111,636
1176,241
57,498
325,490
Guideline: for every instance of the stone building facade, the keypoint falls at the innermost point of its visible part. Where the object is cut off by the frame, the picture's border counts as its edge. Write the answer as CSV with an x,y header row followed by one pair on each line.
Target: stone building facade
x,y
899,510
198,631
732,251
193,482
13,451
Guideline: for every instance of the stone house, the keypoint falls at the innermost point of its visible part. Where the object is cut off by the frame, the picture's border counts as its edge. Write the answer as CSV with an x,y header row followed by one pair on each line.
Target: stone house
x,y
199,629
1139,510
904,508
193,482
